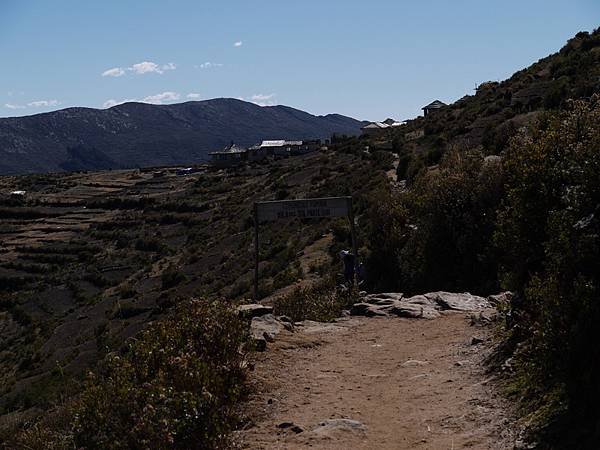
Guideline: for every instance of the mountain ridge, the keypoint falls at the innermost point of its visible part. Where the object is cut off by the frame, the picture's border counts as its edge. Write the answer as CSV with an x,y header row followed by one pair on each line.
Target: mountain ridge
x,y
139,134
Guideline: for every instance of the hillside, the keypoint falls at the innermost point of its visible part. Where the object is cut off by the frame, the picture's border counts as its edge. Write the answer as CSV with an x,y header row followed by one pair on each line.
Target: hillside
x,y
490,117
141,135
88,260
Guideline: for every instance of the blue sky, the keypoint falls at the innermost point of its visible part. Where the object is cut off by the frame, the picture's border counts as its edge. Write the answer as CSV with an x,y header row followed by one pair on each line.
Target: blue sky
x,y
369,60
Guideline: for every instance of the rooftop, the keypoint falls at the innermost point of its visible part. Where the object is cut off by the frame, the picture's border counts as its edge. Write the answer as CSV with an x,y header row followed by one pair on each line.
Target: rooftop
x,y
231,148
279,143
435,105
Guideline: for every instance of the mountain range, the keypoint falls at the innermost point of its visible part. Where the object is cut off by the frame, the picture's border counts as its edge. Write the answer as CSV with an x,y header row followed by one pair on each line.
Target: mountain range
x,y
138,134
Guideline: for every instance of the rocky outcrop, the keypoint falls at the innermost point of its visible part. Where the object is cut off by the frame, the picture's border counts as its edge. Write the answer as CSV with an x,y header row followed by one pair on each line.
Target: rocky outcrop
x,y
254,310
426,306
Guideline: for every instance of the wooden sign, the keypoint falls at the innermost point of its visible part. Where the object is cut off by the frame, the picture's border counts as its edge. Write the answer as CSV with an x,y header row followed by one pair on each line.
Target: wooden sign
x,y
310,208
316,208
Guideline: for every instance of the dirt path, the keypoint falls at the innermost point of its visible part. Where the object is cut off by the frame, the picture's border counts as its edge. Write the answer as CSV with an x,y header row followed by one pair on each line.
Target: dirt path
x,y
395,384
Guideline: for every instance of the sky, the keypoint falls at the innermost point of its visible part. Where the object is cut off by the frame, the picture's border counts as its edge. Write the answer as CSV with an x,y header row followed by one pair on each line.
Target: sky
x,y
368,60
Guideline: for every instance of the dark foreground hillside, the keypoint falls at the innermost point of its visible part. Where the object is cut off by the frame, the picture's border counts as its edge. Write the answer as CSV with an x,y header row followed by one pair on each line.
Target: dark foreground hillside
x,y
141,135
88,260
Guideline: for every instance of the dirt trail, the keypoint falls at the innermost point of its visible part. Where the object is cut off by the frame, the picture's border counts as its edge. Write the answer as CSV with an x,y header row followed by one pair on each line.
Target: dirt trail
x,y
401,383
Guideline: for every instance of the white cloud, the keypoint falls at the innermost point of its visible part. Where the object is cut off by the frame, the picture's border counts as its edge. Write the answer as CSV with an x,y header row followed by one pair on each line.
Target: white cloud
x,y
209,65
13,106
159,99
238,44
193,95
114,72
140,69
43,103
112,102
145,67
264,99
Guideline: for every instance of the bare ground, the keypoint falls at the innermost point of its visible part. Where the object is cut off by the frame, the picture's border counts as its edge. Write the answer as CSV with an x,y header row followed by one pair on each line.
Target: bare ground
x,y
401,383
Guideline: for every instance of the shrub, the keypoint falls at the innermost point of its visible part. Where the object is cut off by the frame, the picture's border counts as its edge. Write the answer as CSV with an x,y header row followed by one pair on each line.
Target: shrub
x,y
175,386
549,233
322,302
171,278
437,235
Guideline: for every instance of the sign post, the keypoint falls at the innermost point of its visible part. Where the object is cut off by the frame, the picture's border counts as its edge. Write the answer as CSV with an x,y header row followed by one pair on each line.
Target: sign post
x,y
311,208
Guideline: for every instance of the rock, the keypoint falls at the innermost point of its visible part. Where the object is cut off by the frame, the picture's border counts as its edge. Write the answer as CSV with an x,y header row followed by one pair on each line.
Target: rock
x,y
421,300
366,309
254,310
332,426
385,298
267,327
290,426
414,363
492,160
458,302
476,340
503,298
414,311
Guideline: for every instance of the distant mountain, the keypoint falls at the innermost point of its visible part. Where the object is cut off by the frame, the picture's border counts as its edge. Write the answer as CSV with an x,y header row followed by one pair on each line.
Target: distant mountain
x,y
139,134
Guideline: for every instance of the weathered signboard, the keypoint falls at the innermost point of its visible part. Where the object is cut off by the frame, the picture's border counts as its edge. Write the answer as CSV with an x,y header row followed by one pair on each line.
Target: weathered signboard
x,y
303,209
310,208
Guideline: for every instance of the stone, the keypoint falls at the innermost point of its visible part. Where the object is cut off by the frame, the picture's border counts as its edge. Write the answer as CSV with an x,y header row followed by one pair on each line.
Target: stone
x,y
331,426
366,309
269,326
290,426
385,298
458,302
254,310
414,311
414,363
476,340
503,298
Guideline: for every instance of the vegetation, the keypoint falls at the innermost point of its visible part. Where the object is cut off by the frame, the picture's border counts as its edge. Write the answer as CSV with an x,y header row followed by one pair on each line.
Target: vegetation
x,y
548,235
528,223
322,302
80,276
175,386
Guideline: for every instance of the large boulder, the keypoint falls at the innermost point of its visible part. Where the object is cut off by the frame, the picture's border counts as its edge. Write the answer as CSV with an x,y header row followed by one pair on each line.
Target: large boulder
x,y
368,310
414,311
426,306
458,302
254,310
265,328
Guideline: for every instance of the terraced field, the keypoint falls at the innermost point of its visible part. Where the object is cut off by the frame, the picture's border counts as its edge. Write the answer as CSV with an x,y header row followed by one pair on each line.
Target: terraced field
x,y
87,259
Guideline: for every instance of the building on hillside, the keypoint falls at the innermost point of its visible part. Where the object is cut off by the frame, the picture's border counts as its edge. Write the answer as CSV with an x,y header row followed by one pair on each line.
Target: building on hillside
x,y
374,128
256,153
433,107
283,148
232,155
393,123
